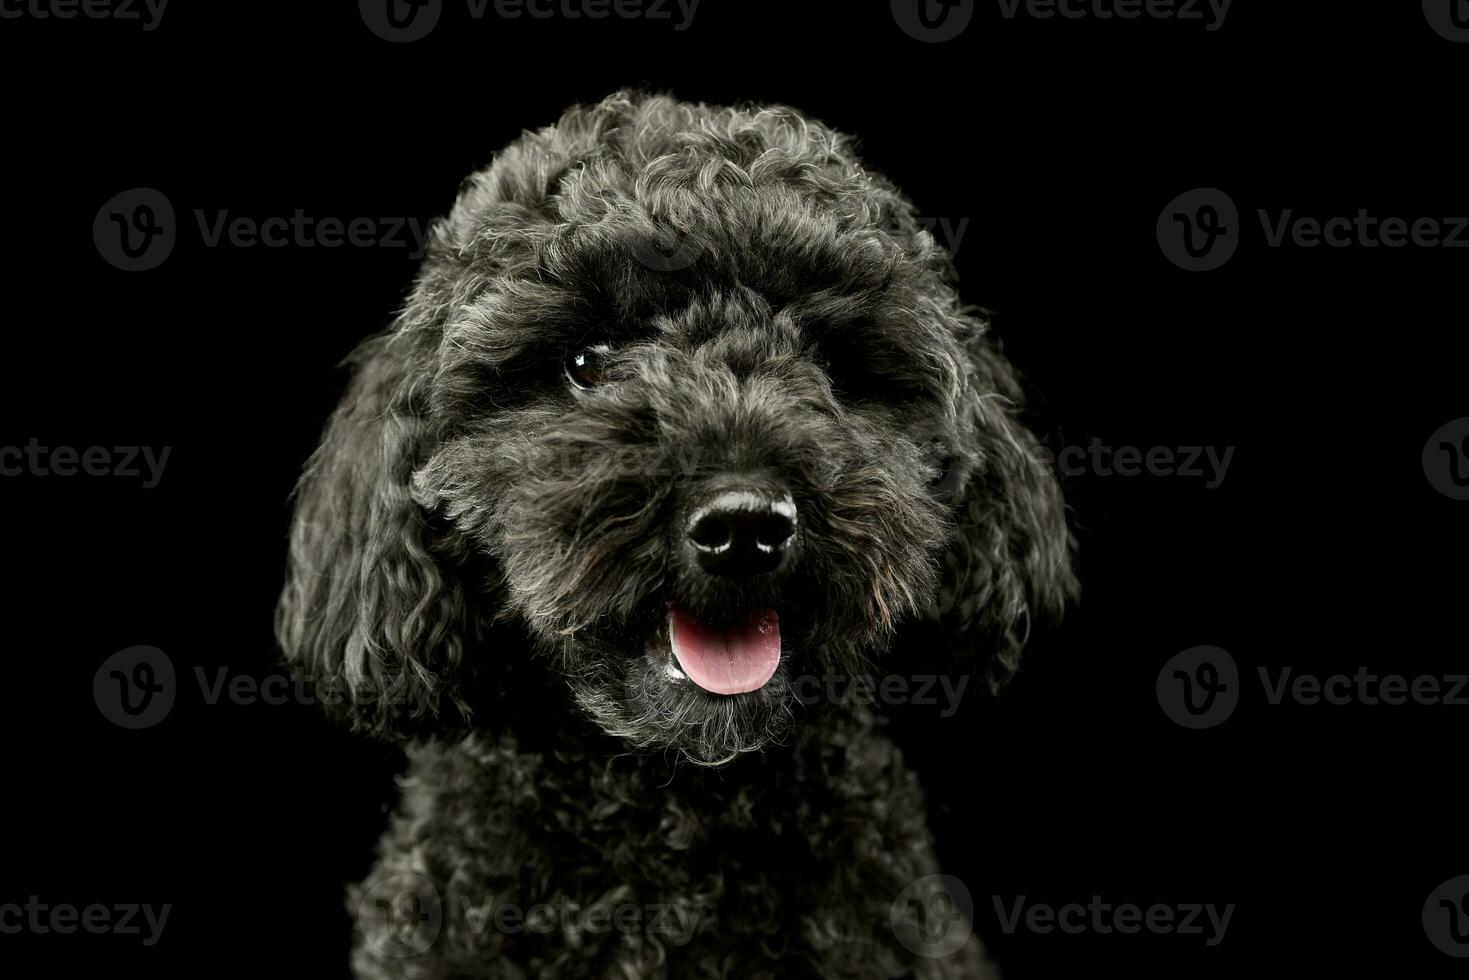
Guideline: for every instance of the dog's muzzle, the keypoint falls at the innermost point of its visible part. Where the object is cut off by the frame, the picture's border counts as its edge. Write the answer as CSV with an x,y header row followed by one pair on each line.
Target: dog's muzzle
x,y
740,537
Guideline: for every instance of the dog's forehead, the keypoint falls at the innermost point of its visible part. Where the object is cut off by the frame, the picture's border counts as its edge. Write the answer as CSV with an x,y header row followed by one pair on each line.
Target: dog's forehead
x,y
769,230
635,248
698,225
694,273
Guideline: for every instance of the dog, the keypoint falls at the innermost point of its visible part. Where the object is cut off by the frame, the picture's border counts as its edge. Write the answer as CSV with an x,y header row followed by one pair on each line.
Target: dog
x,y
683,407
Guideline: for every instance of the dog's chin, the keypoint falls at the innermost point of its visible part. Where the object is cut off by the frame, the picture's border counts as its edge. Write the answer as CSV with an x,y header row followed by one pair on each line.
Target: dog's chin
x,y
653,703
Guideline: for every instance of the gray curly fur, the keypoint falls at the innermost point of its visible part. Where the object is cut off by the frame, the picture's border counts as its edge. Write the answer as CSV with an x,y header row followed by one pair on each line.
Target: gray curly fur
x,y
482,555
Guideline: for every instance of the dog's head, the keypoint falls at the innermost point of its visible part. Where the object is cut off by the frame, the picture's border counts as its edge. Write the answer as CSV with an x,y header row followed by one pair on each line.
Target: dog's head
x,y
684,397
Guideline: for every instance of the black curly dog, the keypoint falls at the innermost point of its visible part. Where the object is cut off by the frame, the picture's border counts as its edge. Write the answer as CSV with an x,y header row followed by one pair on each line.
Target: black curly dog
x,y
683,408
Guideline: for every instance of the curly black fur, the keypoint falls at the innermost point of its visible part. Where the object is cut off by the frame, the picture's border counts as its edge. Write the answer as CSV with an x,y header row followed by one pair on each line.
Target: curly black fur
x,y
483,554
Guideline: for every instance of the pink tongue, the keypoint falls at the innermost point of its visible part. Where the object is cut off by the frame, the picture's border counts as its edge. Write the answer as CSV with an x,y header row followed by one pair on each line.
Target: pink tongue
x,y
727,661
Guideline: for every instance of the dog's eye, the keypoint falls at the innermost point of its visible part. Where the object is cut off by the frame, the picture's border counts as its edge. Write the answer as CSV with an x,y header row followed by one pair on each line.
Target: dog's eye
x,y
587,367
860,374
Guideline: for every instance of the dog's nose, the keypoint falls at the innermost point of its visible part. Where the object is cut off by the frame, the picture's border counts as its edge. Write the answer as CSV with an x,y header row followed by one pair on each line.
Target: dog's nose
x,y
743,532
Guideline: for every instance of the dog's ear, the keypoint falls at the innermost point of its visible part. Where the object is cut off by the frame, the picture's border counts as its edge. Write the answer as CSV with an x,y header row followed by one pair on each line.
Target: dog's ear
x,y
373,613
1009,567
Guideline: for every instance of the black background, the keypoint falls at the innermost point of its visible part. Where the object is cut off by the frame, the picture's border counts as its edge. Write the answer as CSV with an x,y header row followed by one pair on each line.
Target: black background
x,y
1325,547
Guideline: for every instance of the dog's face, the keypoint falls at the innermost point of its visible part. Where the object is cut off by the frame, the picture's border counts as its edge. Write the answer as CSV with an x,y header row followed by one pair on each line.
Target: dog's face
x,y
685,397
698,482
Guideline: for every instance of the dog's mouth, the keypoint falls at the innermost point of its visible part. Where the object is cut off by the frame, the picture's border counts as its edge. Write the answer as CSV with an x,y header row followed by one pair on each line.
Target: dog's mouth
x,y
725,659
